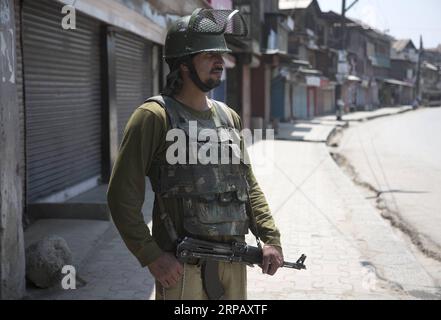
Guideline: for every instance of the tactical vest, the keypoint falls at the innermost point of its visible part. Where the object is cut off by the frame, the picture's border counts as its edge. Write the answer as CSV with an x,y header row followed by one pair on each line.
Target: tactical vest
x,y
213,196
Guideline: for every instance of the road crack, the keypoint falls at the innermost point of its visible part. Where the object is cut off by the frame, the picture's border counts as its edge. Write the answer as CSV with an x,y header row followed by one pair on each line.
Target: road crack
x,y
428,247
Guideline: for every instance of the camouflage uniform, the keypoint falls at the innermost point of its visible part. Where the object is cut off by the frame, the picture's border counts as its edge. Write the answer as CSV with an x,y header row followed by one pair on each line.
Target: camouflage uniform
x,y
207,201
144,147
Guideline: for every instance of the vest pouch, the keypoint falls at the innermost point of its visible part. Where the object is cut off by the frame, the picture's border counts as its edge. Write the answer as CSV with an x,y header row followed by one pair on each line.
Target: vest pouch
x,y
225,198
199,180
207,197
241,195
208,216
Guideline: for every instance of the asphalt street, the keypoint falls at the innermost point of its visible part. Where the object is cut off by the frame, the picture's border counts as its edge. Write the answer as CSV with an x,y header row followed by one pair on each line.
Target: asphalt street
x,y
400,157
411,138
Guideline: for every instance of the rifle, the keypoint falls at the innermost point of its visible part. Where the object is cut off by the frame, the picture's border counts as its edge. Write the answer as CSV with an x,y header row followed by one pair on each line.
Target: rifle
x,y
210,253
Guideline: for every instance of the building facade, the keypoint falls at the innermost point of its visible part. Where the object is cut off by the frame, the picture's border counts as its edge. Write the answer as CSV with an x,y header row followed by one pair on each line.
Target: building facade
x,y
74,76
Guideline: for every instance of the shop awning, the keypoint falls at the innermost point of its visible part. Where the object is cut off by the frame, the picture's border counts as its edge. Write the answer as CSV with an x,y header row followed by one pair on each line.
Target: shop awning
x,y
397,82
301,63
309,71
353,78
280,53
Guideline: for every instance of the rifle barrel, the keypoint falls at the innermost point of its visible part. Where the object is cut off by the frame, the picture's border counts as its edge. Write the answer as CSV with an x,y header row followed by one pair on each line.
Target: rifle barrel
x,y
296,265
293,265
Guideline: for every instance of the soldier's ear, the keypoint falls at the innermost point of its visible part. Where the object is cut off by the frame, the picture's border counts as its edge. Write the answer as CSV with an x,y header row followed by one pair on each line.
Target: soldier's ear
x,y
184,67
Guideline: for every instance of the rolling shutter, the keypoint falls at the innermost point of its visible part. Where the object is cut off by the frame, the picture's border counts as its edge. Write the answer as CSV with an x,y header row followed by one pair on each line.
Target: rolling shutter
x,y
62,97
133,75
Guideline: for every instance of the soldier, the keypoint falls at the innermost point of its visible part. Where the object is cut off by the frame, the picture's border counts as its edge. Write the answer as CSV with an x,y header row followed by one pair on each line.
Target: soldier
x,y
215,202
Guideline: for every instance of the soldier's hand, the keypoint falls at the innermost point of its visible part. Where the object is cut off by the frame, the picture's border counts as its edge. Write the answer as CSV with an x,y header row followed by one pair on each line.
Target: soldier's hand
x,y
272,259
167,270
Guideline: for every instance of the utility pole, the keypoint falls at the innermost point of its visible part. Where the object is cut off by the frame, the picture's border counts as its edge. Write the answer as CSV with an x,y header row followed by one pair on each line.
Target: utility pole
x,y
343,25
418,75
341,57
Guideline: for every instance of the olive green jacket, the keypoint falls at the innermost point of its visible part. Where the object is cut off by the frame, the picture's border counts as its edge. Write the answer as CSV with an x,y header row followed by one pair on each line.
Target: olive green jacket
x,y
144,143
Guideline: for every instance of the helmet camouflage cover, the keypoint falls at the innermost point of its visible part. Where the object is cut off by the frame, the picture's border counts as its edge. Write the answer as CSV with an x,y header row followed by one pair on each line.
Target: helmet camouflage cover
x,y
203,31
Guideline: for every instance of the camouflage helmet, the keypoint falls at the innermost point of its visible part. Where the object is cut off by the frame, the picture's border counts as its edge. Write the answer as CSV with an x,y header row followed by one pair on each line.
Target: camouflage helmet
x,y
203,31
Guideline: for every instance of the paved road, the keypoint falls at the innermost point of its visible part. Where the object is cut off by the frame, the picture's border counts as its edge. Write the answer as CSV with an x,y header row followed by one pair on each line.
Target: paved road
x,y
400,156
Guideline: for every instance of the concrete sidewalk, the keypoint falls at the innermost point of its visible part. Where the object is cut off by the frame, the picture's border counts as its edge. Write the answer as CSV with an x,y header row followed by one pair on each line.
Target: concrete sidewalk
x,y
352,252
368,115
320,128
306,131
100,257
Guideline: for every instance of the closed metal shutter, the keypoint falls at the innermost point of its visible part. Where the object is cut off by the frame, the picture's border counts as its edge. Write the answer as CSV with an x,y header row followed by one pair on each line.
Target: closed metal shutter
x,y
278,98
300,102
234,88
329,100
133,75
62,97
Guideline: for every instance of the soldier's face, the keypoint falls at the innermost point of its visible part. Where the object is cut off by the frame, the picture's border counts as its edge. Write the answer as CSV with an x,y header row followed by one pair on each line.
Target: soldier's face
x,y
209,66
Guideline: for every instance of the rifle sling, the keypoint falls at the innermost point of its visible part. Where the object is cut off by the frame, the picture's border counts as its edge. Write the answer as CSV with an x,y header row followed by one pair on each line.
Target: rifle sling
x,y
166,219
210,280
252,217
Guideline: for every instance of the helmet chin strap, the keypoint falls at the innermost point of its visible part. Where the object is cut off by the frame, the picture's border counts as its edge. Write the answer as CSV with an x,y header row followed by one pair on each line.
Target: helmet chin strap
x,y
195,77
